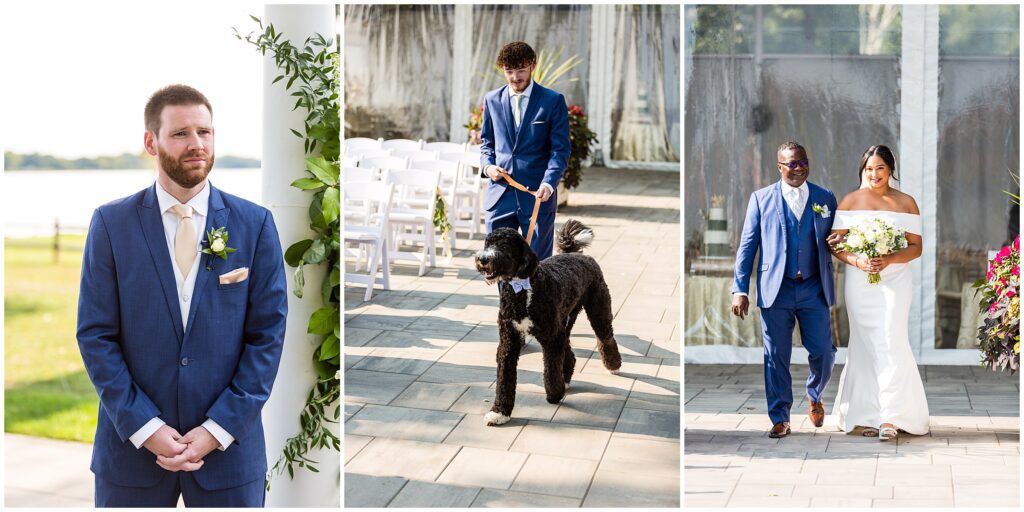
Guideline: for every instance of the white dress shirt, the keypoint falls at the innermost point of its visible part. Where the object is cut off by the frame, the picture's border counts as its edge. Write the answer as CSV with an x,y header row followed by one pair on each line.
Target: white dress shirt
x,y
185,285
523,103
796,204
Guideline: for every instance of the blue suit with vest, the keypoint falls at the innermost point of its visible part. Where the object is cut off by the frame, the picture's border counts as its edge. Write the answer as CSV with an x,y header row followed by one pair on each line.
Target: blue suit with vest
x,y
535,152
794,284
145,364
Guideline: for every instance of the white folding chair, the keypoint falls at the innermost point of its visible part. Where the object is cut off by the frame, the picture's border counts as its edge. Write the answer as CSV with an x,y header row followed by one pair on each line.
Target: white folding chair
x,y
363,154
449,185
357,144
415,155
355,174
473,148
402,144
349,161
412,214
385,162
444,147
470,186
374,234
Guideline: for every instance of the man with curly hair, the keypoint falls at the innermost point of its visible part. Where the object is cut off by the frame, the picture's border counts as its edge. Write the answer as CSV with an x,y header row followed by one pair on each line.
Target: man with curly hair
x,y
525,133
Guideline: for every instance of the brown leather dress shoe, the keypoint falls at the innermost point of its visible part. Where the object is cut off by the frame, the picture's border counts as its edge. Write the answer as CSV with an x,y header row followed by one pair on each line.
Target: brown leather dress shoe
x,y
780,429
817,412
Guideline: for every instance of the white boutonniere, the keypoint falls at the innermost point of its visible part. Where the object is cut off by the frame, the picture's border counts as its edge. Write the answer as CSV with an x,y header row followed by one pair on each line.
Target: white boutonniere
x,y
217,243
821,210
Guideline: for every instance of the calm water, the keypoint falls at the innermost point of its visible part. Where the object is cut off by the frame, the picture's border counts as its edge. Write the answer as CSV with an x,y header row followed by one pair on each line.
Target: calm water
x,y
32,200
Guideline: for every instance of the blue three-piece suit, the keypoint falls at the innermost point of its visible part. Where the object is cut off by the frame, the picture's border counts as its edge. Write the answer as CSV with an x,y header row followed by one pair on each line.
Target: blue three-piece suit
x,y
789,248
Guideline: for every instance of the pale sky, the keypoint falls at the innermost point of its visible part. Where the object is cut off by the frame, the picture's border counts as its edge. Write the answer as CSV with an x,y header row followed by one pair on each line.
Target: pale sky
x,y
76,76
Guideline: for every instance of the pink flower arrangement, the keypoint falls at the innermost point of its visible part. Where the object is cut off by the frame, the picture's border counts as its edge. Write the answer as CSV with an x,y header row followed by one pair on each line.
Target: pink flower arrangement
x,y
1003,274
999,338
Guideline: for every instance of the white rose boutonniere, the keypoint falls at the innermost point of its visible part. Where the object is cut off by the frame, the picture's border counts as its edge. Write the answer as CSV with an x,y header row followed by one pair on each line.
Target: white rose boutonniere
x,y
821,210
217,243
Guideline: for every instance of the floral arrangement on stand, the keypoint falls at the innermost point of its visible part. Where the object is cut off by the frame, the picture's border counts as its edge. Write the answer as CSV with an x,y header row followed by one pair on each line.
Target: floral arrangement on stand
x,y
476,118
999,337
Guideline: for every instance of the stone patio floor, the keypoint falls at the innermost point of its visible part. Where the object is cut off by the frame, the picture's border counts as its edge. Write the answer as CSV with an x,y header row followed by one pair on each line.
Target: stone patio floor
x,y
419,374
971,457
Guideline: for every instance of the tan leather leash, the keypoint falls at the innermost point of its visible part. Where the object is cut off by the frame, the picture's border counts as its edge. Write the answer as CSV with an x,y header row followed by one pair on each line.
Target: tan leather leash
x,y
536,204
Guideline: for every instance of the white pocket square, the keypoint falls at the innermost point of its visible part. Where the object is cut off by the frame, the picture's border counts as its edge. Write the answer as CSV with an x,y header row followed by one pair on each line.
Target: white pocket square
x,y
235,276
538,122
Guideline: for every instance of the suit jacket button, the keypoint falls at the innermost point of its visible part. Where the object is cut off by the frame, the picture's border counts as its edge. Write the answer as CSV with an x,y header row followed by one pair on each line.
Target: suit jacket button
x,y
184,361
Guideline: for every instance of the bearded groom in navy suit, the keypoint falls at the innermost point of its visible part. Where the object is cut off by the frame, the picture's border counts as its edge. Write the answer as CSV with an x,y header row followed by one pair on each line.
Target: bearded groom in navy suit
x,y
181,320
788,223
525,132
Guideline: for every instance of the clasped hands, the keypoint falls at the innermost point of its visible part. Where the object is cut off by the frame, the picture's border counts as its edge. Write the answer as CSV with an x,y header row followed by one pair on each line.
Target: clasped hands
x,y
494,172
176,452
869,265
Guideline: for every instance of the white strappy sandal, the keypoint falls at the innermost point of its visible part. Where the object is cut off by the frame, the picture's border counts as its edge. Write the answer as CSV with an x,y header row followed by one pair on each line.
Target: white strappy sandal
x,y
887,433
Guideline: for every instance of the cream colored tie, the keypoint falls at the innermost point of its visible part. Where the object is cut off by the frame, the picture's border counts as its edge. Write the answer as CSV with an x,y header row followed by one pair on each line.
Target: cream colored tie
x,y
794,202
184,239
517,110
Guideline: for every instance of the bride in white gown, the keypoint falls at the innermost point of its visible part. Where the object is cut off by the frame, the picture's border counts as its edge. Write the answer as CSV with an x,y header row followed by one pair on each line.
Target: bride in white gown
x,y
880,388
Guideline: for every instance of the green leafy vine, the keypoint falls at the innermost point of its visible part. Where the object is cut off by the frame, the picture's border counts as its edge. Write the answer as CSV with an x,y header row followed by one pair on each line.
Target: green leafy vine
x,y
312,72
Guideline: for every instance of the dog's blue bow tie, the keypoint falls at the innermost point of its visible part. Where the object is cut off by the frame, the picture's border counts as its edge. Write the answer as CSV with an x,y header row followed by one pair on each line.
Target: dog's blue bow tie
x,y
519,285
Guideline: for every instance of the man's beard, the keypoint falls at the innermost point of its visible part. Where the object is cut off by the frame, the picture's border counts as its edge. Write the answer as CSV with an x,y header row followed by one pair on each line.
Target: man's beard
x,y
176,170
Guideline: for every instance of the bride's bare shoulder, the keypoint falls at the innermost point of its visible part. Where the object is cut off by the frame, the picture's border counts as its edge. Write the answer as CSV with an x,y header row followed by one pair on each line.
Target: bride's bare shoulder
x,y
906,203
852,201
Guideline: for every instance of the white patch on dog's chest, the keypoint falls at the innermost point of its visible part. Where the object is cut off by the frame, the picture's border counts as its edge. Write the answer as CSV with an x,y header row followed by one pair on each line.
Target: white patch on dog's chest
x,y
524,325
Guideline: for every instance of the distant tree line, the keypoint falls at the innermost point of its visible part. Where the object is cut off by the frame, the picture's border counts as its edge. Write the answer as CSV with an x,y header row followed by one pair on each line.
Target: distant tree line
x,y
142,160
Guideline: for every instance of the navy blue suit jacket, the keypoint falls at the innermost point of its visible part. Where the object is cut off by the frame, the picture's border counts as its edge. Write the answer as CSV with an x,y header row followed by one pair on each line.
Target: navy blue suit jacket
x,y
764,231
538,153
144,364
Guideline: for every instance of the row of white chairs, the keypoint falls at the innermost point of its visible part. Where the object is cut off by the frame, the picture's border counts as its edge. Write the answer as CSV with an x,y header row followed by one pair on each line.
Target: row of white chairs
x,y
359,145
463,206
386,214
390,202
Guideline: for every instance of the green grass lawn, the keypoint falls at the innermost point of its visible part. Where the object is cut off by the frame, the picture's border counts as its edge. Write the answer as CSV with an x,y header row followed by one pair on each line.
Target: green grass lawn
x,y
47,392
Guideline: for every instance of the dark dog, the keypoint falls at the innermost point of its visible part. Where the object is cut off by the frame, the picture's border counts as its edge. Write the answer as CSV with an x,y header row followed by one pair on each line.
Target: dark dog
x,y
545,307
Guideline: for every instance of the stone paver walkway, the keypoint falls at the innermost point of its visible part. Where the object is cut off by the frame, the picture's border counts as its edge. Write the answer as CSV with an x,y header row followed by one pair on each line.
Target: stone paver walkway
x,y
420,371
971,457
46,473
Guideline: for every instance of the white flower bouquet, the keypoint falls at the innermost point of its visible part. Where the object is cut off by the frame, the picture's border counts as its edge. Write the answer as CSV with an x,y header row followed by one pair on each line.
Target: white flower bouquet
x,y
874,238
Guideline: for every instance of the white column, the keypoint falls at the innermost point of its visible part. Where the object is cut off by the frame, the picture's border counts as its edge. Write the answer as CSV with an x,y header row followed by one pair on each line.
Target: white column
x,y
599,95
918,169
283,162
462,60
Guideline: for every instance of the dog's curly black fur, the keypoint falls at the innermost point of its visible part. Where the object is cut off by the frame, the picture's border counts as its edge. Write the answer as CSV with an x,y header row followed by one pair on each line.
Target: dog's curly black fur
x,y
561,286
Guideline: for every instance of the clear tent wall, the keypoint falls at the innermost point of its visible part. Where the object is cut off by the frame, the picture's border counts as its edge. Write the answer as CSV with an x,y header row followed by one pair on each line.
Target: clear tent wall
x,y
418,71
938,84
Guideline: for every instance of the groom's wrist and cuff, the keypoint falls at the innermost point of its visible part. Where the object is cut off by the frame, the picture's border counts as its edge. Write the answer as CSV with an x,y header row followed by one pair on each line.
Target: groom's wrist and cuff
x,y
222,436
543,184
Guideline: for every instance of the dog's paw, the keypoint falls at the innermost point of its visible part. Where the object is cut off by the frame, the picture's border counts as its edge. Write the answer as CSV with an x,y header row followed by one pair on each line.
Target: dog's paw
x,y
615,371
496,418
